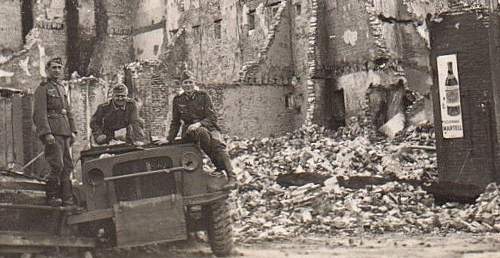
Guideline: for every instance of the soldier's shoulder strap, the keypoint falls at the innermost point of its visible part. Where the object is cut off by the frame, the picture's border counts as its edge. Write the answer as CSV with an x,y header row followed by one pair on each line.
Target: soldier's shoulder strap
x,y
105,104
131,102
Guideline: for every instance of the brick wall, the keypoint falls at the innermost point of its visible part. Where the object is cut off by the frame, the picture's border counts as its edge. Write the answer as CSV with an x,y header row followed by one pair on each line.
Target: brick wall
x,y
300,46
468,159
154,92
262,112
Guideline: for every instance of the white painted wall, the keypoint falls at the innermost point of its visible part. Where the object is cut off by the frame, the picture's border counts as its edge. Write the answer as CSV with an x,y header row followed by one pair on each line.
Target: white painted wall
x,y
144,44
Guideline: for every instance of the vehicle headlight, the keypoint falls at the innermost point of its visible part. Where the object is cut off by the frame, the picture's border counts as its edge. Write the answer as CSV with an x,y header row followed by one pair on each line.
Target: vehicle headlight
x,y
95,177
190,161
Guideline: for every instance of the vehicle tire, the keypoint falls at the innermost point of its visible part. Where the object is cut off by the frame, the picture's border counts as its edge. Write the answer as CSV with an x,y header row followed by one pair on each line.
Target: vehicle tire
x,y
219,228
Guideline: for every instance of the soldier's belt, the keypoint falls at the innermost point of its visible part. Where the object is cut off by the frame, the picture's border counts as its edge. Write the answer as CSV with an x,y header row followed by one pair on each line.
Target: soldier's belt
x,y
57,111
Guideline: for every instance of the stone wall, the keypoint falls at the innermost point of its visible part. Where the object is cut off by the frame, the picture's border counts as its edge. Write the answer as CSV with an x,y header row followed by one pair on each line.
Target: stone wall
x,y
87,34
149,29
10,27
50,27
114,45
86,94
373,41
149,12
211,38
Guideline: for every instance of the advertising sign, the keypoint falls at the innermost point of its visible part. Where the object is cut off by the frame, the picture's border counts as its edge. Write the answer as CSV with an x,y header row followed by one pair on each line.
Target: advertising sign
x,y
449,93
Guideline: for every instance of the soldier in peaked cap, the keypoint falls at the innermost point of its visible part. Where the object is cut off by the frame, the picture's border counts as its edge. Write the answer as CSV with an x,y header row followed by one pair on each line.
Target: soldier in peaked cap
x,y
55,127
194,108
118,113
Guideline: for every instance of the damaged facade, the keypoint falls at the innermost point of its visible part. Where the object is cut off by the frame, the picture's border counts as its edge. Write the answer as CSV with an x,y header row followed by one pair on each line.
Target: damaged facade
x,y
270,66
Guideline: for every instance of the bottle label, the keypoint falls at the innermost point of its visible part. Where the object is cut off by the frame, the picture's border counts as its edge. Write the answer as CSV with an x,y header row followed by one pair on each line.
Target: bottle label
x,y
449,92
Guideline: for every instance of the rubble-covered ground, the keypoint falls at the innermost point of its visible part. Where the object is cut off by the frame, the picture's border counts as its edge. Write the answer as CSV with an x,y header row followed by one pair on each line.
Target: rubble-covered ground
x,y
390,245
265,210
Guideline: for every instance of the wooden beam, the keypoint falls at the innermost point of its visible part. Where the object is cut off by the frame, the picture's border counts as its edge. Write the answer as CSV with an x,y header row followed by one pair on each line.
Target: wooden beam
x,y
90,216
35,207
17,129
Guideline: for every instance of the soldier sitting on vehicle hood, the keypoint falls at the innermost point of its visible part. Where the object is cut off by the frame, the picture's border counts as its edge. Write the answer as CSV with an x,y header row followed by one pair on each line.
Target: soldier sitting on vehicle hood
x,y
119,113
193,110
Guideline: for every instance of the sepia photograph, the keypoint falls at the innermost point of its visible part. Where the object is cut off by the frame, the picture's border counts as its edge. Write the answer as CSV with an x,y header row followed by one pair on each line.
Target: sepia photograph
x,y
249,128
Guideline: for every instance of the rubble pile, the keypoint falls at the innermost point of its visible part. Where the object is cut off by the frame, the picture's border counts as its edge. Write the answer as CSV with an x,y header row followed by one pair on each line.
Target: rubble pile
x,y
266,210
316,150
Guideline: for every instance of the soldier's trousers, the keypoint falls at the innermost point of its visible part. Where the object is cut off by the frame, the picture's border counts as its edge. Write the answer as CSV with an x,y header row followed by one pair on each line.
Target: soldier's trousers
x,y
61,164
211,143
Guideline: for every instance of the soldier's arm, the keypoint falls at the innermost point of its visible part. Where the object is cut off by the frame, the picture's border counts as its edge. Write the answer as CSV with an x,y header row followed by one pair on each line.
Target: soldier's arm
x,y
135,130
96,122
71,120
134,115
175,123
40,112
210,119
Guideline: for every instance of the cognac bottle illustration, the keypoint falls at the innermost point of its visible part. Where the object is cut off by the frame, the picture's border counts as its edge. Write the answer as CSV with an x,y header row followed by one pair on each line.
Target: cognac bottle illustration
x,y
452,92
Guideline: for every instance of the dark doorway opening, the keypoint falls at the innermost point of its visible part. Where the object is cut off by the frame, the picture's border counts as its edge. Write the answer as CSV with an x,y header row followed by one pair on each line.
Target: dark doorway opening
x,y
26,17
72,47
338,116
334,105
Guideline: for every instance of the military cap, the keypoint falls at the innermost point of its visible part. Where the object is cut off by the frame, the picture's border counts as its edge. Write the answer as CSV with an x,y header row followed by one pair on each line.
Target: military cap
x,y
120,88
56,60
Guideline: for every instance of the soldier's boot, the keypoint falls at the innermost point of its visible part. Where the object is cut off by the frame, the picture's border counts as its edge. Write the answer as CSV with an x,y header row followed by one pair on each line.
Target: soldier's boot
x,y
224,162
51,192
67,193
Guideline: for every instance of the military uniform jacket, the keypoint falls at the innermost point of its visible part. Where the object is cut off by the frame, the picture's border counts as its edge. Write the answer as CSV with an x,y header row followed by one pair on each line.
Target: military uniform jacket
x,y
108,118
52,113
191,109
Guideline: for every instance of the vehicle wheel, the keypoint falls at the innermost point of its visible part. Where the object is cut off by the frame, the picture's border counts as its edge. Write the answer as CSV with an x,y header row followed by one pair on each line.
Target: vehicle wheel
x,y
219,228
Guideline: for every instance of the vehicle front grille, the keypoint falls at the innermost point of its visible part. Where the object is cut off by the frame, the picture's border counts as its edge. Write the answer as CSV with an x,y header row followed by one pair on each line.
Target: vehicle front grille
x,y
141,187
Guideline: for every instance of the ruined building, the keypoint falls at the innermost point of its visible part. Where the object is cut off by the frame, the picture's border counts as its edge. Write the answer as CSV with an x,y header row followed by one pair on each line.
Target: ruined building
x,y
270,66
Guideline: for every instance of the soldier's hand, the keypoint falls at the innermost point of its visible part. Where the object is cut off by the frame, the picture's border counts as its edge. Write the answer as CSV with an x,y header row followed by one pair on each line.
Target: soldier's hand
x,y
194,126
50,139
138,143
100,139
161,142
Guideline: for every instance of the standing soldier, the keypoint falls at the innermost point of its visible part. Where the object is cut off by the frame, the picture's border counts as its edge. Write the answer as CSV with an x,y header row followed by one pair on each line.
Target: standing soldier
x,y
56,129
195,109
118,113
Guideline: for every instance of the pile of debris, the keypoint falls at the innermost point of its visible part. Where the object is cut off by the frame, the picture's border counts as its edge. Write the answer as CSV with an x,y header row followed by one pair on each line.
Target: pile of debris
x,y
295,185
